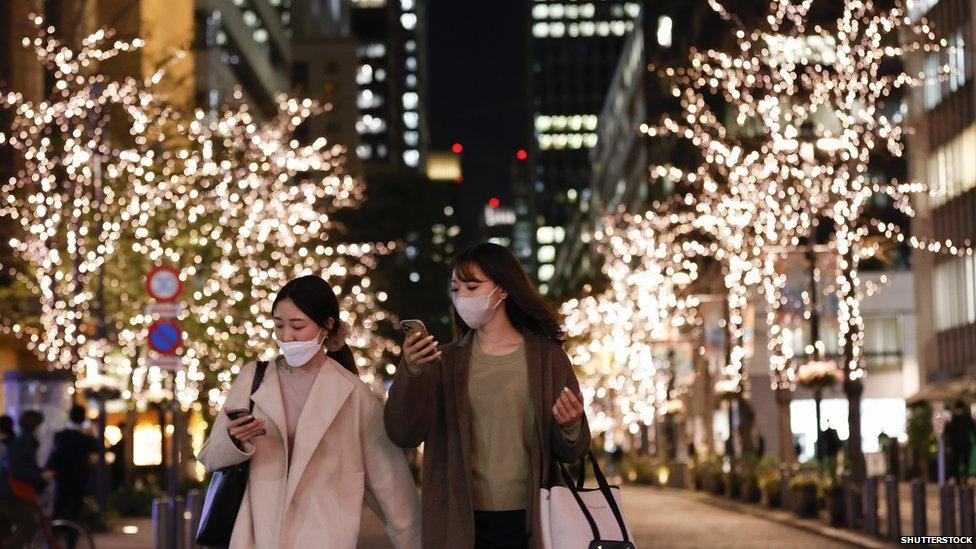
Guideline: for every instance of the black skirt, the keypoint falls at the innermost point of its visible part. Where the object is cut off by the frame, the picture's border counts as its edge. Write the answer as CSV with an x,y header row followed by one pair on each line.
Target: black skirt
x,y
500,530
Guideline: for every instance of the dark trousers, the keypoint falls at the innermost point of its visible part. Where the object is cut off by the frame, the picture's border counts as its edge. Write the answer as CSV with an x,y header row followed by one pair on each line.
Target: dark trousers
x,y
500,530
67,506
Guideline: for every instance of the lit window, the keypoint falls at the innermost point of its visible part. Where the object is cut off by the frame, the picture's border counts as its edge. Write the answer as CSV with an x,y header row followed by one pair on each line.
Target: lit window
x,y
380,75
368,100
250,18
633,9
545,235
410,46
364,151
664,31
408,5
411,63
260,36
364,75
588,28
381,151
618,28
545,272
559,233
540,11
411,157
542,123
540,30
411,138
587,10
556,11
603,28
375,51
557,29
410,80
411,119
572,11
410,100
547,254
408,20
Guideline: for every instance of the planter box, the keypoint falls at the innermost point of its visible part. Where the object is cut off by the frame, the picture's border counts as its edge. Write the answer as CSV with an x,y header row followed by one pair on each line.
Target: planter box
x,y
773,497
750,491
733,486
804,501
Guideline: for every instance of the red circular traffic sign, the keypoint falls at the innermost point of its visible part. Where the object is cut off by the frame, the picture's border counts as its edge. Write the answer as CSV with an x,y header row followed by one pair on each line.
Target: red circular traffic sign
x,y
163,283
165,336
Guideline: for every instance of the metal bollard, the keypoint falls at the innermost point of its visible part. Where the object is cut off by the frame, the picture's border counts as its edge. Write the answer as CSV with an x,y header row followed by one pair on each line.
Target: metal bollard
x,y
947,510
893,506
162,538
852,504
871,526
919,515
167,516
967,516
194,507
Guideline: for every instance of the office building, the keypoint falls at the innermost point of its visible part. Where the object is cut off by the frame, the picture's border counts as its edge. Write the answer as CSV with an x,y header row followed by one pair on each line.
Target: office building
x,y
941,155
391,79
573,52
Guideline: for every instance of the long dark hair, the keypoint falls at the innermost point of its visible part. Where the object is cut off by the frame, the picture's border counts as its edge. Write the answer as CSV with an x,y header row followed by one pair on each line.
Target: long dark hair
x,y
526,308
314,297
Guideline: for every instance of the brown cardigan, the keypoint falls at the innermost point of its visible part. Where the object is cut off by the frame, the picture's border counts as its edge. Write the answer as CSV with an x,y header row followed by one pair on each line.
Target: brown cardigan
x,y
433,408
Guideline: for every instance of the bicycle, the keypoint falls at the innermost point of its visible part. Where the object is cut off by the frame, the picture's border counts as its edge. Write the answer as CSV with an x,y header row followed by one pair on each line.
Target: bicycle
x,y
51,534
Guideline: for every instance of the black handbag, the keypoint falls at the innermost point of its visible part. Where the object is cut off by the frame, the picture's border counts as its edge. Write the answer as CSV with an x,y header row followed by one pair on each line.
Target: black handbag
x,y
226,492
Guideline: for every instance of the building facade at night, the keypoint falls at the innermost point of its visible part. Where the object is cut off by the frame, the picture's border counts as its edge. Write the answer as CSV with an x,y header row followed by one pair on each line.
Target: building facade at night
x,y
573,50
941,155
391,80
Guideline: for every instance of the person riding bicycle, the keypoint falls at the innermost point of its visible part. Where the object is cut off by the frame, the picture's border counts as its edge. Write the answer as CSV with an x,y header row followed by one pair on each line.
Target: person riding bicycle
x,y
21,480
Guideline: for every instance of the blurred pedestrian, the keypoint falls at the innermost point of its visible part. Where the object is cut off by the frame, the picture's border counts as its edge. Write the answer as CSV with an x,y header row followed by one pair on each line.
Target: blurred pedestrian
x,y
960,434
6,433
70,462
21,481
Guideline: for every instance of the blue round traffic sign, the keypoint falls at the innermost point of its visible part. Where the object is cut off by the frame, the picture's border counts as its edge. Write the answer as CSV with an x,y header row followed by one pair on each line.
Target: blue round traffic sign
x,y
165,336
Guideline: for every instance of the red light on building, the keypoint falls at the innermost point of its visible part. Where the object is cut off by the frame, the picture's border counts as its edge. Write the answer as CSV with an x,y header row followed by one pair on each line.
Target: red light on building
x,y
494,202
521,154
457,148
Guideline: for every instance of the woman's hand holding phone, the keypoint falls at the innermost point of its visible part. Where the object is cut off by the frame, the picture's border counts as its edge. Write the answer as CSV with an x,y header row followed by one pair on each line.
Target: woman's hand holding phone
x,y
419,349
243,426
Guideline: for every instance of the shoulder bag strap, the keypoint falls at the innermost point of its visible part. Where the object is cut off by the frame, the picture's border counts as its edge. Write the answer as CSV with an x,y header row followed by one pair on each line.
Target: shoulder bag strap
x,y
579,501
256,382
605,489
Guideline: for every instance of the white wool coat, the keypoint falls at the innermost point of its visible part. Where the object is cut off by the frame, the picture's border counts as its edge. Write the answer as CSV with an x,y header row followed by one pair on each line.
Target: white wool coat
x,y
341,457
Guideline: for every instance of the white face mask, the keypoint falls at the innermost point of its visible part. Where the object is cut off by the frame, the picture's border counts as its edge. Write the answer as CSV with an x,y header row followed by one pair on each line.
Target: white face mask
x,y
476,310
298,353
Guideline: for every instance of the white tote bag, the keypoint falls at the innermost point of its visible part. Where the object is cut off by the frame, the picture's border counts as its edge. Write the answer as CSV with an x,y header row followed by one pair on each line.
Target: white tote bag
x,y
574,517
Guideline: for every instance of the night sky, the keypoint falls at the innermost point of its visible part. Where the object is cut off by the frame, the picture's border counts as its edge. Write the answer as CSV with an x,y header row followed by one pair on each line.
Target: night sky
x,y
478,94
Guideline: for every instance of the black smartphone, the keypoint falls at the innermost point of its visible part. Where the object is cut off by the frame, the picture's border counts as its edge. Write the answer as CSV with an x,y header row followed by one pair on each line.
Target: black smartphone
x,y
241,412
237,413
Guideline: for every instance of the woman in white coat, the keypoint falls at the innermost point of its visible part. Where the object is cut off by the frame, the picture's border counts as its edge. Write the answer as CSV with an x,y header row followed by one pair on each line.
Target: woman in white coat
x,y
316,440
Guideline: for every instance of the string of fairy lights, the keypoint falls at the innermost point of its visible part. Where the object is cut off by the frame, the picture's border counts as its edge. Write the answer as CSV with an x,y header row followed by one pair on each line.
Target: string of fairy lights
x,y
804,107
114,182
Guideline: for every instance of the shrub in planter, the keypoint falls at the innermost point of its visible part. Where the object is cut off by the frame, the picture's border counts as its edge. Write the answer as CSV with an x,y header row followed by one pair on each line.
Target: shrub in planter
x,y
771,485
803,493
750,487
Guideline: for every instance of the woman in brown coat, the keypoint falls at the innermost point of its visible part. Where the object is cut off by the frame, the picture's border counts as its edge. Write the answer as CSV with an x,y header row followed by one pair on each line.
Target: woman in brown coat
x,y
493,408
